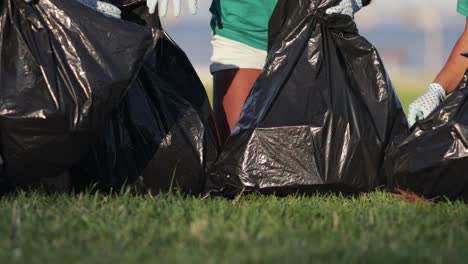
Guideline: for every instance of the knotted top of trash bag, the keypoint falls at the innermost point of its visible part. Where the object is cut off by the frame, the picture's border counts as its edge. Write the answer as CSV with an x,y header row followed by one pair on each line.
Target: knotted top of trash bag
x,y
291,12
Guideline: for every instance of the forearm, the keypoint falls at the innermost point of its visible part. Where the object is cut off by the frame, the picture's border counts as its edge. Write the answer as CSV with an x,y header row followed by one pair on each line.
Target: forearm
x,y
456,66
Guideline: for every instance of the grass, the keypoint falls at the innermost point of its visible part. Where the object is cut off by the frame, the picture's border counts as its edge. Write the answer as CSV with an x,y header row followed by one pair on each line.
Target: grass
x,y
122,228
95,228
408,91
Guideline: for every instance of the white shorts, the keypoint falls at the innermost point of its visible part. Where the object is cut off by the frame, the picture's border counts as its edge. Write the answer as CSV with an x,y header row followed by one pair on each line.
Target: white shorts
x,y
230,54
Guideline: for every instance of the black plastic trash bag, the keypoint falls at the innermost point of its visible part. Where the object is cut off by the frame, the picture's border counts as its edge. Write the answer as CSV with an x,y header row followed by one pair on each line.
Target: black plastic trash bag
x,y
64,68
320,115
433,160
163,134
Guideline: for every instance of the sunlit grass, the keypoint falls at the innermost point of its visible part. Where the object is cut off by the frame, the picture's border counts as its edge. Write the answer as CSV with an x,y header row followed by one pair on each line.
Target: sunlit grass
x,y
123,228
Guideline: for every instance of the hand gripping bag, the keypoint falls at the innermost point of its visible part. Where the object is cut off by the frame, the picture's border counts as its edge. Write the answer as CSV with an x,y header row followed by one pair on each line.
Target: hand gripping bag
x,y
320,115
433,159
64,69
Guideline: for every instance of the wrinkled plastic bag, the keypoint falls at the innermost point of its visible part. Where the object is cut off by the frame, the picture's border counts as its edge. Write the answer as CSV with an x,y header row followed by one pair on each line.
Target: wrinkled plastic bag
x,y
163,135
319,117
433,160
61,77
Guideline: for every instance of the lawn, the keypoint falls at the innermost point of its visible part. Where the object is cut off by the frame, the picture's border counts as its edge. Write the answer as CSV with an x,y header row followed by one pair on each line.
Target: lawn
x,y
87,228
409,90
123,228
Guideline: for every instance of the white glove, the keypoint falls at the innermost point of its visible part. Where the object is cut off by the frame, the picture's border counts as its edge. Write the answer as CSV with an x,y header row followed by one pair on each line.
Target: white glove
x,y
103,7
192,5
346,7
424,105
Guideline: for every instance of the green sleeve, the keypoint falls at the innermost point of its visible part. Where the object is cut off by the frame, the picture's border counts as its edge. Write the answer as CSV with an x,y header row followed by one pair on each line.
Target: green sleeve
x,y
463,7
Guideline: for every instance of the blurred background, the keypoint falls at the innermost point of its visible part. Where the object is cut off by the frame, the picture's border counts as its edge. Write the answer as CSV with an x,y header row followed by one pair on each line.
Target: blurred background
x,y
414,38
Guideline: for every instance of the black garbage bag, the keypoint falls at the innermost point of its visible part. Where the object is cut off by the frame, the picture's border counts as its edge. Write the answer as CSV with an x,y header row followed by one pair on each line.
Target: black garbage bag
x,y
64,69
163,134
319,117
433,160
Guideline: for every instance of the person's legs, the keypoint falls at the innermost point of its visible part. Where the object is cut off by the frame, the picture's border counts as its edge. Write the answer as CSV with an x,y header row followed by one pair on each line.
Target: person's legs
x,y
235,68
240,43
230,89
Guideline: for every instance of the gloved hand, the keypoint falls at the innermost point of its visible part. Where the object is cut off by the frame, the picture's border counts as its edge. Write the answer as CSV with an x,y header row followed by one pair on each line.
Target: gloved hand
x,y
424,105
103,7
346,7
192,4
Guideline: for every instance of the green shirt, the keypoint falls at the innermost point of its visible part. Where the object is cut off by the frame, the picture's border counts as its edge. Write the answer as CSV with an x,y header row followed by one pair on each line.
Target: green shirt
x,y
244,21
463,7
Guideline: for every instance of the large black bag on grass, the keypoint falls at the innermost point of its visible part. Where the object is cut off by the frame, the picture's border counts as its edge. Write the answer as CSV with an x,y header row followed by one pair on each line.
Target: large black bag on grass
x,y
64,69
163,134
433,160
320,115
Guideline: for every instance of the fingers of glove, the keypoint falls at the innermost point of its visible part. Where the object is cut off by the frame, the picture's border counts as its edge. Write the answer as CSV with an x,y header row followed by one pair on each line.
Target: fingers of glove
x,y
335,10
151,4
429,101
89,3
414,115
176,7
413,112
346,7
113,15
421,108
421,115
108,9
192,6
162,7
426,111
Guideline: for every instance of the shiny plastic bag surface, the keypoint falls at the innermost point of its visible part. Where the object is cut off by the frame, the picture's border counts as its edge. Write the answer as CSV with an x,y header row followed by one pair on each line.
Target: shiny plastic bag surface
x,y
64,69
433,160
319,117
163,135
